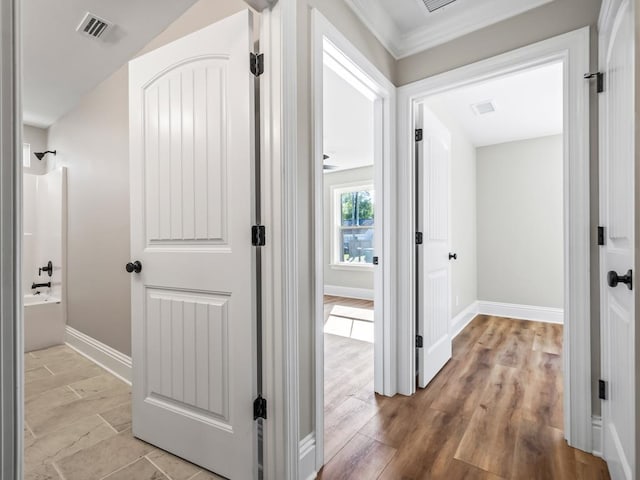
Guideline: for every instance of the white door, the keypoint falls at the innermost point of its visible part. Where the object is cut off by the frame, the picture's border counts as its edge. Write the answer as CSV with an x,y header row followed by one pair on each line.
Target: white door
x,y
434,272
191,120
617,216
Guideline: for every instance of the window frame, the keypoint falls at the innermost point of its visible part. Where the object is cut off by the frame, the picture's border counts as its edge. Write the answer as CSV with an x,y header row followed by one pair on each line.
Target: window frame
x,y
336,223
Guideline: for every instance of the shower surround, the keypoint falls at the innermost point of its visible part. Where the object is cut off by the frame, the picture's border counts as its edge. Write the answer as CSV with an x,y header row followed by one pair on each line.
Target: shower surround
x,y
44,227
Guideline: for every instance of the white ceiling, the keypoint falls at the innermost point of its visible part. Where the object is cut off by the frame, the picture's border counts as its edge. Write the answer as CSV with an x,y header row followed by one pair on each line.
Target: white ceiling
x,y
347,123
60,64
528,105
406,27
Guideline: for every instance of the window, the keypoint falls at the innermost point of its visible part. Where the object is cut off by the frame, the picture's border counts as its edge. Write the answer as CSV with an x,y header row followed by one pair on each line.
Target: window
x,y
354,224
26,155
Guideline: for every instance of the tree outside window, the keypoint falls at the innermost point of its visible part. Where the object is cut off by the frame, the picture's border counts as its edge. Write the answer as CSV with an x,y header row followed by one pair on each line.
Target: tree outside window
x,y
355,225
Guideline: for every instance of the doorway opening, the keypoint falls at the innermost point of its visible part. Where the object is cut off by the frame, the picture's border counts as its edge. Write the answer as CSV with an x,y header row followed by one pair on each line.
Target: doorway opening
x,y
569,51
353,149
173,111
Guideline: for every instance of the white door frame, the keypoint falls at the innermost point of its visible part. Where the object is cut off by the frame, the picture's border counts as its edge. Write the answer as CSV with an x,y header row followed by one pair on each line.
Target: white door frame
x,y
11,336
573,50
327,38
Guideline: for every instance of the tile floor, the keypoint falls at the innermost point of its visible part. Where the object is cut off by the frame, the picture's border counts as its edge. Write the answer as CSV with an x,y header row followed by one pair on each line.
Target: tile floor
x,y
78,425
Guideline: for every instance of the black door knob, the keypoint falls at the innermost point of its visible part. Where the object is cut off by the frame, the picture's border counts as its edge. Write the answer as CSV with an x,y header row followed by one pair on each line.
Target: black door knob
x,y
613,279
134,267
453,255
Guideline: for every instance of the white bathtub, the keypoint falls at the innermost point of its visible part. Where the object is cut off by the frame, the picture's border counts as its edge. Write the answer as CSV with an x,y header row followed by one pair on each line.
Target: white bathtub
x,y
43,322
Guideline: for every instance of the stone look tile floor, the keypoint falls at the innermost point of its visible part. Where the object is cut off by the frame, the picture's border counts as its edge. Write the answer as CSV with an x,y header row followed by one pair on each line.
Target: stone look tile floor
x,y
78,425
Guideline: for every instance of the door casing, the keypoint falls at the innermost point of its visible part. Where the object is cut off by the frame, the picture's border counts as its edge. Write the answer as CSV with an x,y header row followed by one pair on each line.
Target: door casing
x,y
326,37
572,49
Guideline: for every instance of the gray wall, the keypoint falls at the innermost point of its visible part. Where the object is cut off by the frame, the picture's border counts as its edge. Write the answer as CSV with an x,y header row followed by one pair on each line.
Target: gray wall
x,y
37,138
350,277
559,16
464,271
93,142
520,222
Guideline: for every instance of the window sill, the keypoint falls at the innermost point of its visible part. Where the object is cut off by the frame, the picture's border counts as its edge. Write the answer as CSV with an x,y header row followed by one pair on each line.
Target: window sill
x,y
352,266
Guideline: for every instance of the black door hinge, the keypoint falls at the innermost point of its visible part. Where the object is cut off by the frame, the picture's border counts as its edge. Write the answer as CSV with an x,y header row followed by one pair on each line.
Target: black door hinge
x,y
256,63
600,235
259,408
419,238
419,341
258,236
599,76
418,134
602,390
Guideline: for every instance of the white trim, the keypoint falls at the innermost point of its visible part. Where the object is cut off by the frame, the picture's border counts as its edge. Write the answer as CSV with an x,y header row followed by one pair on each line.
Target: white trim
x,y
279,213
103,355
11,295
307,468
326,36
349,292
521,312
598,436
573,50
462,319
401,44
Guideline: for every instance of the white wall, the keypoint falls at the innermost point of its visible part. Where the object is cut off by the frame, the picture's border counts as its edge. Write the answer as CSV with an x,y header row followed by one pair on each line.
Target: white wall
x,y
520,222
464,276
360,277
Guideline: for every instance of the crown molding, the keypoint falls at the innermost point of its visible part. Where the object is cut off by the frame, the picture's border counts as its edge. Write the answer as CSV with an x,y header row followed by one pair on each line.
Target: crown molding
x,y
436,31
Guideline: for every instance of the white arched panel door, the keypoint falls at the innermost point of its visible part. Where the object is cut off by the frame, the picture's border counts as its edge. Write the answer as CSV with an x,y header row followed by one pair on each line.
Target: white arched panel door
x,y
433,167
191,121
617,213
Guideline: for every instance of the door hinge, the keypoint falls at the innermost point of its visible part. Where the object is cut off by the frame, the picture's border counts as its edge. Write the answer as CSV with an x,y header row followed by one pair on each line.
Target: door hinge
x,y
600,236
260,408
256,63
258,236
602,390
599,76
419,238
419,341
418,134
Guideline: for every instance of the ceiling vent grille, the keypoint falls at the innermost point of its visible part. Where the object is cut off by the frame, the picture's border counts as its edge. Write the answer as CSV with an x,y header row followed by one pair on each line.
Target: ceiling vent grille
x,y
433,5
93,26
483,108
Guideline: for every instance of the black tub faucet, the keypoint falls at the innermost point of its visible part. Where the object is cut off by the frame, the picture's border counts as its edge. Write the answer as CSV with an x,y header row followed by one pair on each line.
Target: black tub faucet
x,y
48,268
38,285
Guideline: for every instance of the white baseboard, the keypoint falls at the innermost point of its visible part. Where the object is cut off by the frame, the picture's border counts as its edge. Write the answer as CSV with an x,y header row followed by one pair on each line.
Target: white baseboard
x,y
521,312
348,292
596,435
307,465
460,321
108,358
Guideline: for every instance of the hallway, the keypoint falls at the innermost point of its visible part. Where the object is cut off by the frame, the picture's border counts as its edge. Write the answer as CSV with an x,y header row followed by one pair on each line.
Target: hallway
x,y
493,412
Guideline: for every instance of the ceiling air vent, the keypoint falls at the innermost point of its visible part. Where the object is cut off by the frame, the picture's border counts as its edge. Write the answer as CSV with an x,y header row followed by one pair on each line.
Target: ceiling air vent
x,y
433,5
93,26
483,108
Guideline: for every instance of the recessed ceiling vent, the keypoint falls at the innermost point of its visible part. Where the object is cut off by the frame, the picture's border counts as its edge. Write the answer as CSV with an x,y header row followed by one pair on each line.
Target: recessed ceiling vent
x,y
93,26
433,5
484,108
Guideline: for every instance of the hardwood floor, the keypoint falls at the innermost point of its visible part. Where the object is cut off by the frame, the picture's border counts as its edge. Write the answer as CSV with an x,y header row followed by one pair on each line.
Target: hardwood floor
x,y
493,412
